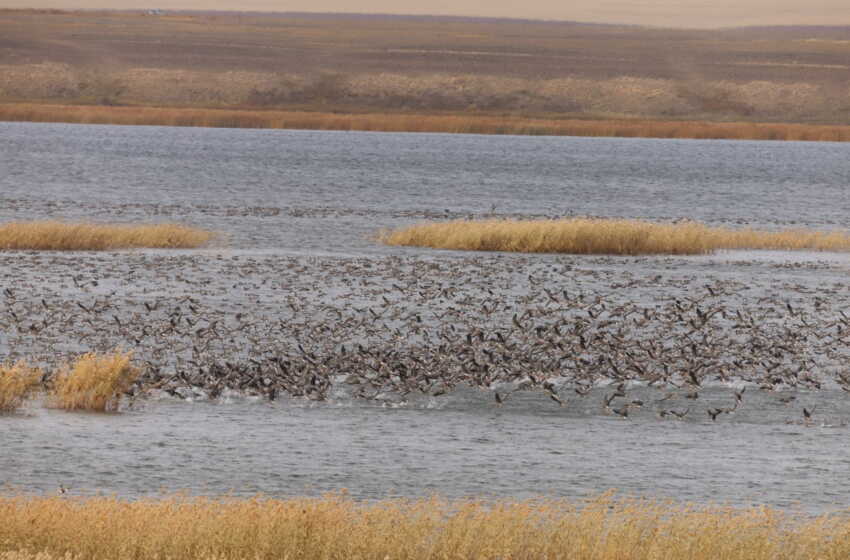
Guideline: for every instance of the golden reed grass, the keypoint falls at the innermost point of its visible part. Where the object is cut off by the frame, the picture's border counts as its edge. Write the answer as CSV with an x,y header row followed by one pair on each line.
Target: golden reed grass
x,y
17,382
408,122
94,382
335,527
58,236
584,236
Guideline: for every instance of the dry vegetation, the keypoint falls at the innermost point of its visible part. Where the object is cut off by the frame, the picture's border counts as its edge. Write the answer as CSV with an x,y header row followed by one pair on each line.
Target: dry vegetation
x,y
17,382
604,236
94,382
58,236
337,528
409,122
498,75
495,95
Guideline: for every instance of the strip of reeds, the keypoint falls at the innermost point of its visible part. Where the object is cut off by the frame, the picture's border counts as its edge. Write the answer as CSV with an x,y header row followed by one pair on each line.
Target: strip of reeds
x,y
334,527
94,382
59,236
17,382
408,122
584,236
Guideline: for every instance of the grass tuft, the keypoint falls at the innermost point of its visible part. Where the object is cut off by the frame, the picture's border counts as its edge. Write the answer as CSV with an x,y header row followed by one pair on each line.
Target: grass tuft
x,y
94,382
334,527
17,382
59,236
584,236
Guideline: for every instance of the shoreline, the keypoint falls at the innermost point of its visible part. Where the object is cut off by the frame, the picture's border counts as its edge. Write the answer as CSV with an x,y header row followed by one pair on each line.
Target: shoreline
x,y
419,122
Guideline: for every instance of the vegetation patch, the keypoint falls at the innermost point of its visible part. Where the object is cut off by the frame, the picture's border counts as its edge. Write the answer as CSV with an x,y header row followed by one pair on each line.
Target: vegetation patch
x,y
17,382
382,121
59,236
334,527
585,236
94,382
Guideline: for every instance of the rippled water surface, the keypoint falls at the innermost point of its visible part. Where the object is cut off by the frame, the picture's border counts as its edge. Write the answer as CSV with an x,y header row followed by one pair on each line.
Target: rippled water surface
x,y
299,209
333,189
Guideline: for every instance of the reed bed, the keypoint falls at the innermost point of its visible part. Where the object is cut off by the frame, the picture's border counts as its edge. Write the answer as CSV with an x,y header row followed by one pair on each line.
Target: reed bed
x,y
584,236
17,382
409,122
59,236
334,527
94,382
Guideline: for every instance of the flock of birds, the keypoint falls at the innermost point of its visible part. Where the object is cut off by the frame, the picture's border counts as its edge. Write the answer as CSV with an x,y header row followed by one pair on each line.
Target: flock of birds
x,y
394,329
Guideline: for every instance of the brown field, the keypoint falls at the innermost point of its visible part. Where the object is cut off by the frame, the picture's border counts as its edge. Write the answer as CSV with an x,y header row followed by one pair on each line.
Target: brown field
x,y
59,236
399,68
334,527
583,236
411,122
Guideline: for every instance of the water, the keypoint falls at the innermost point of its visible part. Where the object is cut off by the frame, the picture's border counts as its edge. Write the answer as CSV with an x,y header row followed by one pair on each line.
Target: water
x,y
299,209
463,448
332,189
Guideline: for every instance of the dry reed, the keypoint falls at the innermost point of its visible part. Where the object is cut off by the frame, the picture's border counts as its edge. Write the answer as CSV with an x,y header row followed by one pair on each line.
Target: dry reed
x,y
334,527
17,382
584,236
410,122
94,382
58,236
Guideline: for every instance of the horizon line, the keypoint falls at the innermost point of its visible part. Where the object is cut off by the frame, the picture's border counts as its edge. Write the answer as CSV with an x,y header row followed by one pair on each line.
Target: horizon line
x,y
392,15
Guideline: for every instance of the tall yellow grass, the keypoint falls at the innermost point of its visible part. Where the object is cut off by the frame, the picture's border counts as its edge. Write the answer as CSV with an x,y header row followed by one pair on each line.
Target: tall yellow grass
x,y
17,382
94,382
59,236
410,122
337,528
603,236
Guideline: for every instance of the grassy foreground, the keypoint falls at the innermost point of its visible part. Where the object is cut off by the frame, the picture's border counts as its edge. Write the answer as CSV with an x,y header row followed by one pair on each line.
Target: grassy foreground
x,y
58,236
410,122
583,236
335,527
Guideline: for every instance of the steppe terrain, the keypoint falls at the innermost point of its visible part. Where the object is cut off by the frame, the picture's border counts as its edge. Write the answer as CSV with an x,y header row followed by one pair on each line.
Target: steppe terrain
x,y
402,65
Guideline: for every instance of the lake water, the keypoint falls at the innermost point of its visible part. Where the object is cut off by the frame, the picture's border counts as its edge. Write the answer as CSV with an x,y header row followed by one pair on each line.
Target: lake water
x,y
299,210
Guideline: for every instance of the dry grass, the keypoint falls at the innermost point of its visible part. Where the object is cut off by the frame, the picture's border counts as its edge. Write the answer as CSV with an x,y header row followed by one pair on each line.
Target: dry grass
x,y
410,122
58,236
334,527
94,382
17,382
603,236
438,93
